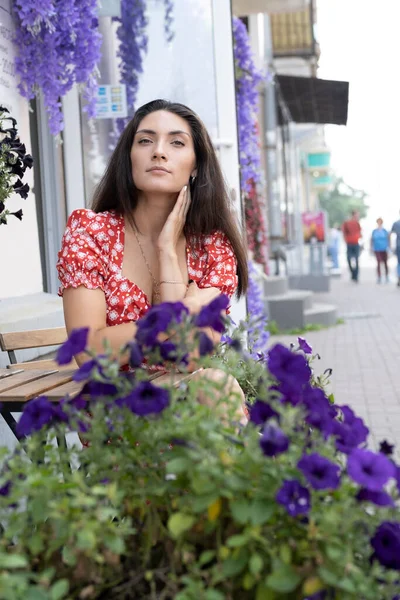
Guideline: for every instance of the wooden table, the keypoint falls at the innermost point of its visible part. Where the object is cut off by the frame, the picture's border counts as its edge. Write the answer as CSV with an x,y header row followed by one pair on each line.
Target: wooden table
x,y
18,387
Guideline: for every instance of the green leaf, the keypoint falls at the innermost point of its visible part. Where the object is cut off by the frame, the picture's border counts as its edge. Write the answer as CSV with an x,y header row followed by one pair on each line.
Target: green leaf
x,y
35,593
285,553
178,465
261,511
235,541
328,576
59,589
263,593
35,543
241,511
12,561
206,557
233,566
214,595
256,563
115,544
283,579
179,523
203,485
69,556
86,539
201,503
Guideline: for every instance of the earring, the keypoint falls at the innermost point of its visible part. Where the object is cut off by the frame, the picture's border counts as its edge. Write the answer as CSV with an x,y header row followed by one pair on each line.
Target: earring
x,y
192,178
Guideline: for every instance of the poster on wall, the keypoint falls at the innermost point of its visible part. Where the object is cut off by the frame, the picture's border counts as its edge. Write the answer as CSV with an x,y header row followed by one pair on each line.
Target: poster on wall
x,y
313,227
9,96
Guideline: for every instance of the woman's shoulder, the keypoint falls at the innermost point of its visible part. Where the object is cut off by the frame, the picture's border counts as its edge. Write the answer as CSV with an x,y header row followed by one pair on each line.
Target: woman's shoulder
x,y
87,220
216,242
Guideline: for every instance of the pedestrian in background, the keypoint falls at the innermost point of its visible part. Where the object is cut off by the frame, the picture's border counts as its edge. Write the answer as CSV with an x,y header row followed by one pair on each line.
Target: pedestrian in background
x,y
396,231
333,245
380,245
352,234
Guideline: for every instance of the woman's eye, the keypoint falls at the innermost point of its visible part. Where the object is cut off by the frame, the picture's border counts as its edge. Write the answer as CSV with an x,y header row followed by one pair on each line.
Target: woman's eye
x,y
178,143
144,141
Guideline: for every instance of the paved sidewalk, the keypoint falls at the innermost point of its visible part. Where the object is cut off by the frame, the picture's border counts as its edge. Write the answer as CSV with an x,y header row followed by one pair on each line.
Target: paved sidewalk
x,y
364,353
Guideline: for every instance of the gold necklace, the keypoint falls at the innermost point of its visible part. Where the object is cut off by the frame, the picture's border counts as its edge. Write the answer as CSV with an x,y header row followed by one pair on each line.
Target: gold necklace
x,y
156,284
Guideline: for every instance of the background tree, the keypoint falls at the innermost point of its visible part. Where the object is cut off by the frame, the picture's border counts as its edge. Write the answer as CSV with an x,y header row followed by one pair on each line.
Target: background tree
x,y
341,200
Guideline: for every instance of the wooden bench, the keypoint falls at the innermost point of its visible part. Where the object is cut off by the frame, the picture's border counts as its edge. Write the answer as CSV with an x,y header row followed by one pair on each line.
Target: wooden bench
x,y
37,338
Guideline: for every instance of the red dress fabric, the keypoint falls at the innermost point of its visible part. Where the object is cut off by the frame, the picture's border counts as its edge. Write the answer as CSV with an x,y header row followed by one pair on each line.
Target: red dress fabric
x,y
92,254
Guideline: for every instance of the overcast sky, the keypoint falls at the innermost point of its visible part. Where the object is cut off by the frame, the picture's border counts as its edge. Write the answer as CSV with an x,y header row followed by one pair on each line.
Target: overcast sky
x,y
360,43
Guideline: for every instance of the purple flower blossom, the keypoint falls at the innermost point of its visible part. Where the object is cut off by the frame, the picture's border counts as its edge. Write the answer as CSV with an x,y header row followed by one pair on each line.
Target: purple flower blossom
x,y
58,45
211,315
294,497
386,448
135,354
85,370
304,346
5,489
273,441
157,320
38,413
351,432
75,344
247,97
320,412
168,20
146,399
369,469
288,367
386,544
379,498
261,411
206,345
320,472
258,334
133,42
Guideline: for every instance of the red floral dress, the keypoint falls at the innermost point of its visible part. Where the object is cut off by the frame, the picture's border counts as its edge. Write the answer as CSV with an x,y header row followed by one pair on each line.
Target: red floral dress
x,y
92,253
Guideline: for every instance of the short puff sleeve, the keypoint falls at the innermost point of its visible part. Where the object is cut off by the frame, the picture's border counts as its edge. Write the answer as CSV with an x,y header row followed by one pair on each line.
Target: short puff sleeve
x,y
221,269
83,257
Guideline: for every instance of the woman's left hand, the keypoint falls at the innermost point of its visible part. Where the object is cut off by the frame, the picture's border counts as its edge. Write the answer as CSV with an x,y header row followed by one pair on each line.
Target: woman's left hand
x,y
173,227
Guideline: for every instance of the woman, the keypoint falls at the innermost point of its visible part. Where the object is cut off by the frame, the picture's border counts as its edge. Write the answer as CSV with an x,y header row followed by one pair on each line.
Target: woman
x,y
160,217
380,246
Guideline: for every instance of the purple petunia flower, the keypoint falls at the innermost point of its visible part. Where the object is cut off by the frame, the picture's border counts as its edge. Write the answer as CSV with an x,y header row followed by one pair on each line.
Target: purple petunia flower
x,y
386,448
351,432
135,354
146,399
288,367
386,544
369,469
320,472
320,412
6,488
304,346
211,315
206,345
261,411
294,497
273,441
75,344
157,320
38,413
85,370
379,498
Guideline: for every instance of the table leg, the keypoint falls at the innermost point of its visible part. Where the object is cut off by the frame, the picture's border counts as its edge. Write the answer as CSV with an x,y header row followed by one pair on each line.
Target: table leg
x,y
9,419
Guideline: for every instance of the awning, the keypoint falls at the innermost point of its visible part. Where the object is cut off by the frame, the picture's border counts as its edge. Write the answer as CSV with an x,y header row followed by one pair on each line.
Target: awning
x,y
312,100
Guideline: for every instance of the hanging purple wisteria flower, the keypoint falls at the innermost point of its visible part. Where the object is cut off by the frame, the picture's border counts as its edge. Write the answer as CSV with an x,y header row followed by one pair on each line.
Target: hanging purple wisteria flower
x,y
257,330
168,20
58,45
133,42
247,81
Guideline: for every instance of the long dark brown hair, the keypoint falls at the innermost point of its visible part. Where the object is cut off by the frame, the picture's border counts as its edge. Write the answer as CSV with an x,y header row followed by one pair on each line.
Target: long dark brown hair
x,y
209,209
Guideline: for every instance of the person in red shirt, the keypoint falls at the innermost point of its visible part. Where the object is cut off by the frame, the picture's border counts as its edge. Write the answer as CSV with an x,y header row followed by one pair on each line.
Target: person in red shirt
x,y
352,234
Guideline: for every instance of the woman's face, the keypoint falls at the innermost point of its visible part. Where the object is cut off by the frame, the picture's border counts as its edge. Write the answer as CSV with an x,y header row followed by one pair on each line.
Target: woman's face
x,y
162,153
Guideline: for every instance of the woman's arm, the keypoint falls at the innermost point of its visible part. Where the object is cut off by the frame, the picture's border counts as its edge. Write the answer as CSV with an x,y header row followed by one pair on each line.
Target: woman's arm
x,y
87,308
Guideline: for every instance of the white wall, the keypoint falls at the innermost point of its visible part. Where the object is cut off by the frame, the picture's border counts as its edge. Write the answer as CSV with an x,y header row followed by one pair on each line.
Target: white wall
x,y
19,242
